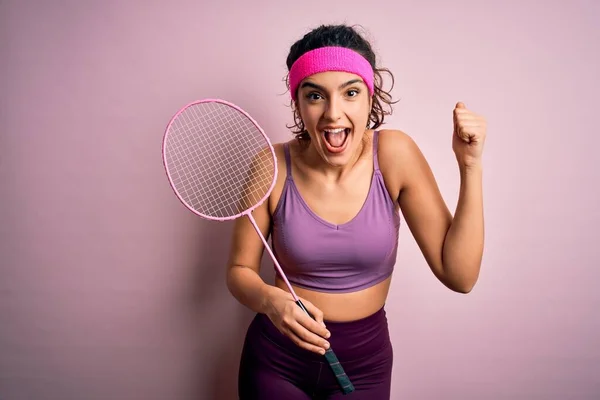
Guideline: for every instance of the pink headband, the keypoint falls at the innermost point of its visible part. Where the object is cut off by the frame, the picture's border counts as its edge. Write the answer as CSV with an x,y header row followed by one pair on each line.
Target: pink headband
x,y
330,59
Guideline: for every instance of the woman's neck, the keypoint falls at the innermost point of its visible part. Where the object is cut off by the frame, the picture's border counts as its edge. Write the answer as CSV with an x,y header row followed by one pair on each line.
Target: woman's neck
x,y
312,159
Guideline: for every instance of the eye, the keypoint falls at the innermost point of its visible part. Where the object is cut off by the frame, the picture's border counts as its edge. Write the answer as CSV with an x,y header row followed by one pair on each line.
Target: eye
x,y
353,92
313,96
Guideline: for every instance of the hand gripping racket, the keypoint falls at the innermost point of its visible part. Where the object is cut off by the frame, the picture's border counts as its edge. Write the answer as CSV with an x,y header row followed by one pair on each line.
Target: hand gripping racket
x,y
222,166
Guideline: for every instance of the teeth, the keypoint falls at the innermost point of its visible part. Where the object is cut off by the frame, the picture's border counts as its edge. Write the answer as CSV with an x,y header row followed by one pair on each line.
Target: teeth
x,y
335,130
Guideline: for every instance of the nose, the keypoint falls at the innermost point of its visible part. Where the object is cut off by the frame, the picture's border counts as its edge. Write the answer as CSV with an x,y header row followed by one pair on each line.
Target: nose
x,y
333,111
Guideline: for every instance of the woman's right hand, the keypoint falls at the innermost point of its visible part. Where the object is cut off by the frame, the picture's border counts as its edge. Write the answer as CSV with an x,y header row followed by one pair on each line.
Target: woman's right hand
x,y
292,321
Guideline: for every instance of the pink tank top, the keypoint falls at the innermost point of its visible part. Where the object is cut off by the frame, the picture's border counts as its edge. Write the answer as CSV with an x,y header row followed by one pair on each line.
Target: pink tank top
x,y
321,256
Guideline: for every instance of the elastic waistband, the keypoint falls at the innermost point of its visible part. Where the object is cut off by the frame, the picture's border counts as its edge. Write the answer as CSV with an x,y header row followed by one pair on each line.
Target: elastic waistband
x,y
350,340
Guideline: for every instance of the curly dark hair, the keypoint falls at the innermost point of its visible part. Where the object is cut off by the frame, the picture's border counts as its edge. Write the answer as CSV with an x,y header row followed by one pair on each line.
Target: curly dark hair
x,y
344,36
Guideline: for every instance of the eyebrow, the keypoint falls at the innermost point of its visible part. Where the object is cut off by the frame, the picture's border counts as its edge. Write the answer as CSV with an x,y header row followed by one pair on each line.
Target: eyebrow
x,y
319,87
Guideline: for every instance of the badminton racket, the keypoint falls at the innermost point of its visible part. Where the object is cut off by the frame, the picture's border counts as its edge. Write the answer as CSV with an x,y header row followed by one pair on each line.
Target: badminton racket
x,y
222,166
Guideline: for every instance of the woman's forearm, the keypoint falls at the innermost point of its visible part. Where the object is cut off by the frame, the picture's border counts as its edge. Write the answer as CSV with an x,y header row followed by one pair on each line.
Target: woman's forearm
x,y
463,245
249,288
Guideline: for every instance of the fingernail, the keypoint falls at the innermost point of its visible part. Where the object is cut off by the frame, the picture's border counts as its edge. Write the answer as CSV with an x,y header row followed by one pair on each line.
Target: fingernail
x,y
322,351
327,334
326,345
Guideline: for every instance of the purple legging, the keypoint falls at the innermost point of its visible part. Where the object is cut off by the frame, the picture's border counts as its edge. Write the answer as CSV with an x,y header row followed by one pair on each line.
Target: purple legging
x,y
273,367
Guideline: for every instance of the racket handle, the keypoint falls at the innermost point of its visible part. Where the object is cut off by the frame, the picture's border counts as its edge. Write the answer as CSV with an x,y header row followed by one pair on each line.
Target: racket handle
x,y
340,375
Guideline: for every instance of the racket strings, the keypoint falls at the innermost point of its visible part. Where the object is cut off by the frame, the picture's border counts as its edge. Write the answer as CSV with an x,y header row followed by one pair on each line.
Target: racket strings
x,y
220,163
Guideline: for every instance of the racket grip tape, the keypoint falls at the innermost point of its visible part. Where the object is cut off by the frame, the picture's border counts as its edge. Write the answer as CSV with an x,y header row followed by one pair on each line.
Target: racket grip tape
x,y
341,377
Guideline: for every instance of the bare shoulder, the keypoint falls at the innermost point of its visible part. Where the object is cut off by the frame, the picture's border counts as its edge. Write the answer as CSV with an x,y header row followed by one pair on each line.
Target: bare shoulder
x,y
397,154
281,175
278,147
394,142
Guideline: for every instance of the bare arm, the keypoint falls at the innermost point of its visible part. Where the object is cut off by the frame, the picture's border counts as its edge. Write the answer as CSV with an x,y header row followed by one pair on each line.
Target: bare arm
x,y
463,247
243,279
452,246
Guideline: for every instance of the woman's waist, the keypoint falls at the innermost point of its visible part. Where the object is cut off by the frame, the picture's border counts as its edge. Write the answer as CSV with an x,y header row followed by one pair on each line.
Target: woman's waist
x,y
344,307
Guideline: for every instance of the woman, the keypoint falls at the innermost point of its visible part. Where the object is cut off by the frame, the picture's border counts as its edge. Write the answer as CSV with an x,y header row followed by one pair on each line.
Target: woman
x,y
333,218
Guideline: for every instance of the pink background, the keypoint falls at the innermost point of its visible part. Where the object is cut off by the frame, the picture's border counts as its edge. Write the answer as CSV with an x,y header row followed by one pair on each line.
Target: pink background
x,y
111,289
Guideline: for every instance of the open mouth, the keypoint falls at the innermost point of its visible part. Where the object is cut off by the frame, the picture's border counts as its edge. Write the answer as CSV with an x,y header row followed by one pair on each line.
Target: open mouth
x,y
336,139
